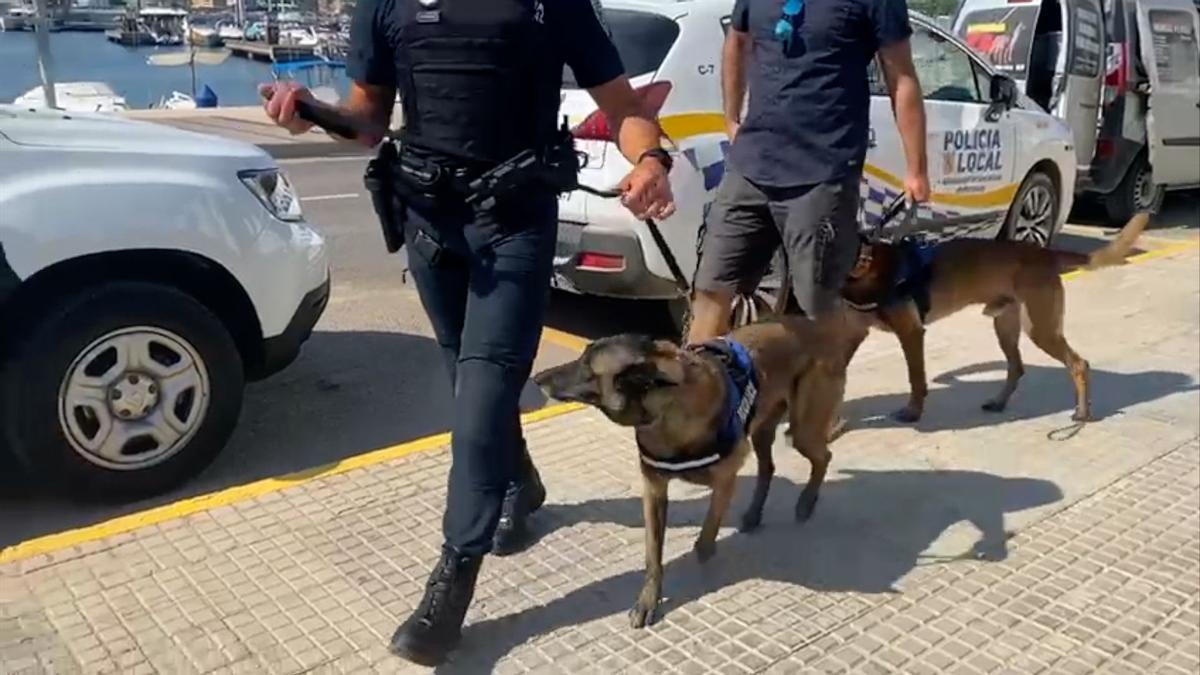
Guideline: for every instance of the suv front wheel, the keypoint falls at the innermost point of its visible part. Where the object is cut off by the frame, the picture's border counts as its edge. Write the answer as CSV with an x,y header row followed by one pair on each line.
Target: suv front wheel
x,y
1034,212
122,391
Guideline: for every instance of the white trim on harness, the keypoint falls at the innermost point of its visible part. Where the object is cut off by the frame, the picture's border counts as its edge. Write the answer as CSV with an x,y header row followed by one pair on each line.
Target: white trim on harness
x,y
681,466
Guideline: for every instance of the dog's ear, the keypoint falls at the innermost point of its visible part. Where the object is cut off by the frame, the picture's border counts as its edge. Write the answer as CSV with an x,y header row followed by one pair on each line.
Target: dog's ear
x,y
668,372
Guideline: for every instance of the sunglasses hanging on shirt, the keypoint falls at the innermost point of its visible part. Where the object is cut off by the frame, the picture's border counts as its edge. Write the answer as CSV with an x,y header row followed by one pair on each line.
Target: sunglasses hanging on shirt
x,y
789,23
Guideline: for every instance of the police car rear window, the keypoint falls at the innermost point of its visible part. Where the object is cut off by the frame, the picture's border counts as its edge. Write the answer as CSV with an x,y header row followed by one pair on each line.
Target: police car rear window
x,y
642,39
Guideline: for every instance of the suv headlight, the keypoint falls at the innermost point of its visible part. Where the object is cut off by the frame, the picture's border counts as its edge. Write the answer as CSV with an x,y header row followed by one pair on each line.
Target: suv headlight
x,y
275,191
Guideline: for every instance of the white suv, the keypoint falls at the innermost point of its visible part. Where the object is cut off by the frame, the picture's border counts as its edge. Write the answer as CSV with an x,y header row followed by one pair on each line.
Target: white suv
x,y
145,274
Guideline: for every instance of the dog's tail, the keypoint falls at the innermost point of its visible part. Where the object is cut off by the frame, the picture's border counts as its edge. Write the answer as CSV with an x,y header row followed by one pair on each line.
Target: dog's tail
x,y
1112,254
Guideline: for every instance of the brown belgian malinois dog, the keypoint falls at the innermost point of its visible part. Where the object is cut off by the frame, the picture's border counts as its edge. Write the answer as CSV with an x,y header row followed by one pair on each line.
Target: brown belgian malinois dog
x,y
698,410
1018,283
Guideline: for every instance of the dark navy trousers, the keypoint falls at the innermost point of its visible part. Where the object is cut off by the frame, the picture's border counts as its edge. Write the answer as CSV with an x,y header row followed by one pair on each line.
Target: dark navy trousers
x,y
484,280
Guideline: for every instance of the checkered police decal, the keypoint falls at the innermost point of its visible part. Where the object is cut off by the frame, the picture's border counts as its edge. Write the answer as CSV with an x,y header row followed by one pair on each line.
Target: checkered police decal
x,y
874,198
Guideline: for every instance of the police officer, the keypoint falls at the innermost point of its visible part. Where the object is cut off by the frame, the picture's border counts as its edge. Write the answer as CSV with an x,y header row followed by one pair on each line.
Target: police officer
x,y
479,83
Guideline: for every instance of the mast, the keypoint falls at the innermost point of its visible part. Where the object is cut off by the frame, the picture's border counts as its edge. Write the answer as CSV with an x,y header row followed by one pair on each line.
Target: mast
x,y
43,51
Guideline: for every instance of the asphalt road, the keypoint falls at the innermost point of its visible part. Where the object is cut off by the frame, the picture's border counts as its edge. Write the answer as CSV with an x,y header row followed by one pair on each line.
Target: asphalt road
x,y
371,376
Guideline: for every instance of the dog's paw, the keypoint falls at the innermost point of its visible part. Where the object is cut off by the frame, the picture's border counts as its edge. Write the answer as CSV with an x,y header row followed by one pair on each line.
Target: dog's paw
x,y
805,505
642,614
906,415
994,406
1081,416
705,550
750,521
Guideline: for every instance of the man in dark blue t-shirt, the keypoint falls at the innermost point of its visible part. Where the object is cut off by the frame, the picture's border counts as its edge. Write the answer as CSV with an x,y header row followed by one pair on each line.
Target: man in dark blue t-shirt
x,y
793,172
480,83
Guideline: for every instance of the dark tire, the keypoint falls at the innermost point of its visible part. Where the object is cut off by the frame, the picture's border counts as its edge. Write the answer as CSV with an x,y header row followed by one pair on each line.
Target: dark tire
x,y
1034,212
1134,194
151,363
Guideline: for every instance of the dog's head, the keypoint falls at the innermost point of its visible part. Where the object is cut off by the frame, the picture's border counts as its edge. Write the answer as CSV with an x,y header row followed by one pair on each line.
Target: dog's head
x,y
632,379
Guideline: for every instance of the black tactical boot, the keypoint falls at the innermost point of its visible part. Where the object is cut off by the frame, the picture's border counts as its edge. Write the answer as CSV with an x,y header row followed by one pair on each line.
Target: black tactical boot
x,y
522,498
435,627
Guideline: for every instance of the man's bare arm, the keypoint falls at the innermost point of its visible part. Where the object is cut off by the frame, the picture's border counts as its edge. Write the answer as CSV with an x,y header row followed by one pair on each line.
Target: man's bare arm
x,y
636,130
371,106
733,77
909,109
369,109
646,190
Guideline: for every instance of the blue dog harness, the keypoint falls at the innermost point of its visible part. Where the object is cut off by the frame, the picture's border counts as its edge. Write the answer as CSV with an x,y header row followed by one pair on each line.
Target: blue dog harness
x,y
915,274
912,278
741,397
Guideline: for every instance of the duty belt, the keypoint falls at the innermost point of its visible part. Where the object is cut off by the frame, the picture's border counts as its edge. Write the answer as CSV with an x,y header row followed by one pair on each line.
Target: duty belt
x,y
430,176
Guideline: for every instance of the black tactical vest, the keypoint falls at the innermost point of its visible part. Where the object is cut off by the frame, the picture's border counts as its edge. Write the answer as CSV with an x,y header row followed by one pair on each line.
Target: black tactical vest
x,y
483,78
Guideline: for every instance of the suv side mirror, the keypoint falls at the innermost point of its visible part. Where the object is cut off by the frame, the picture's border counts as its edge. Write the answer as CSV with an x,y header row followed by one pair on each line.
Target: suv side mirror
x,y
1003,96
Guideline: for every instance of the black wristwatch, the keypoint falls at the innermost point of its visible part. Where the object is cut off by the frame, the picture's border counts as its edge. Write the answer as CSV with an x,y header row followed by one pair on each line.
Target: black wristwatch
x,y
661,155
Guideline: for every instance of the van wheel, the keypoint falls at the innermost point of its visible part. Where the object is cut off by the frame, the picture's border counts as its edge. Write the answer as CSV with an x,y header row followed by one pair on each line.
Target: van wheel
x,y
1136,193
1034,213
121,392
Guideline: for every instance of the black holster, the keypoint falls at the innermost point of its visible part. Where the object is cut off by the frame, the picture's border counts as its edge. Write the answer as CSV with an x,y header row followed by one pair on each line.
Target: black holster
x,y
390,206
554,167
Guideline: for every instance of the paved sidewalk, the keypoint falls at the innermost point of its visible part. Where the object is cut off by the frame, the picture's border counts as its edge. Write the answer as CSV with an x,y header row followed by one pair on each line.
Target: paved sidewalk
x,y
974,543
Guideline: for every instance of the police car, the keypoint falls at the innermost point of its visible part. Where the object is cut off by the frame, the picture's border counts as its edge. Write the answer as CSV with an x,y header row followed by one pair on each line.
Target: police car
x,y
999,165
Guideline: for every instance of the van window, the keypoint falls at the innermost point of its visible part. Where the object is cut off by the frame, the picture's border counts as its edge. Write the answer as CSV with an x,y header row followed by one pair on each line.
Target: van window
x,y
642,39
1087,49
1003,35
945,71
1175,49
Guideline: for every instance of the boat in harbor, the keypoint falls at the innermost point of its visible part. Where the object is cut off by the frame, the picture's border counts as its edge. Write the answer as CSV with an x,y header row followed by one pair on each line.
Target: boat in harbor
x,y
201,34
18,18
75,97
150,26
230,31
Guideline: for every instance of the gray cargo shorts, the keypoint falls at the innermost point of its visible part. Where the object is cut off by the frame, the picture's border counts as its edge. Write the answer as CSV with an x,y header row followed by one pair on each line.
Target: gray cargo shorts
x,y
816,224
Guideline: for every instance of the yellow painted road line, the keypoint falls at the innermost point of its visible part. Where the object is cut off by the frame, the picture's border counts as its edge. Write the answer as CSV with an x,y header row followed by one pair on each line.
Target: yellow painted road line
x,y
569,341
1163,252
193,505
186,507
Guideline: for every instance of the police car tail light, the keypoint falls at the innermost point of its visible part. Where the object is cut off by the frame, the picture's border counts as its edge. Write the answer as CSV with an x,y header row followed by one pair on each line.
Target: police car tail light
x,y
595,127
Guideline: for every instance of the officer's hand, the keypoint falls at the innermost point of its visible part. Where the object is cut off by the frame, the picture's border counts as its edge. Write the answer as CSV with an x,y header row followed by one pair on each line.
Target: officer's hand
x,y
916,185
647,192
280,104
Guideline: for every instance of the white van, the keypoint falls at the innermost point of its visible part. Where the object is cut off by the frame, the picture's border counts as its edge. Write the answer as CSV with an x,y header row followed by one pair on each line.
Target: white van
x,y
995,158
1124,74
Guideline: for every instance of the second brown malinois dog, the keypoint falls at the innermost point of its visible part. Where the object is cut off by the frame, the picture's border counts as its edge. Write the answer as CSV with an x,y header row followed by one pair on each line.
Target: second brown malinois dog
x,y
694,408
906,286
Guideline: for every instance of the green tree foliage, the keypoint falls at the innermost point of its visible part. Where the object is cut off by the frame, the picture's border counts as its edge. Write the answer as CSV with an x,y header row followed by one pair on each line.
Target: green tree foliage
x,y
934,8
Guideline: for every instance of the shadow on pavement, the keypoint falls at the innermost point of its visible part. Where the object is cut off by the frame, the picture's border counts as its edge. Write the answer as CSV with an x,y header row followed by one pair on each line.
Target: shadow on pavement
x,y
1044,390
1180,211
594,317
869,530
347,394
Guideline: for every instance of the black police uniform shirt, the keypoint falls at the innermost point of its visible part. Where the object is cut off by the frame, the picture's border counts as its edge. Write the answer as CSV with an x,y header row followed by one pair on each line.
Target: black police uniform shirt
x,y
577,38
808,116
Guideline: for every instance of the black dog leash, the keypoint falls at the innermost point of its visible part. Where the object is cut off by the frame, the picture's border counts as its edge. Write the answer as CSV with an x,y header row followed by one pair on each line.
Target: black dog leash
x,y
681,281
